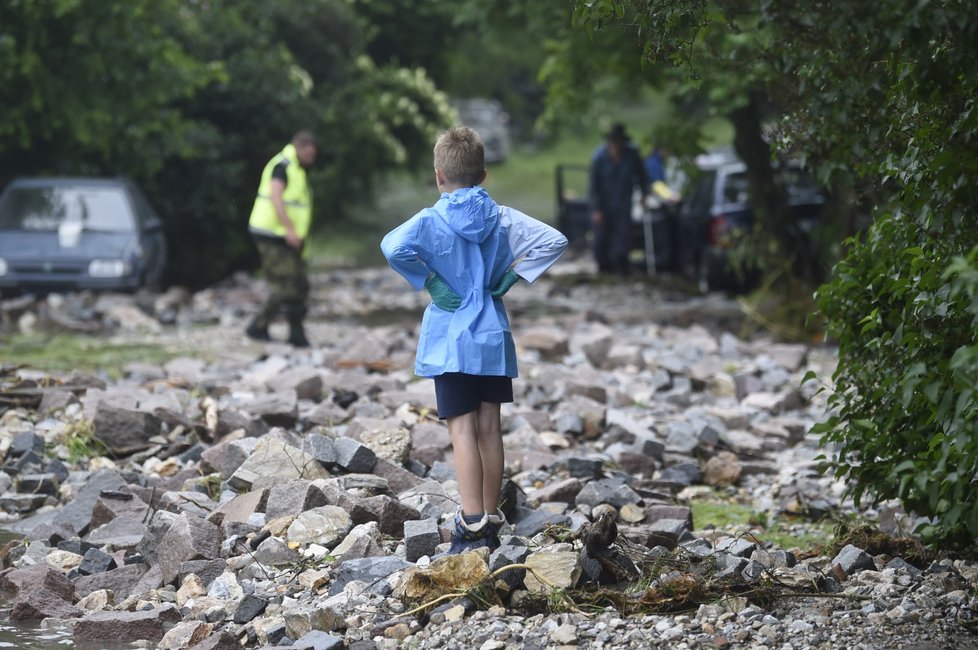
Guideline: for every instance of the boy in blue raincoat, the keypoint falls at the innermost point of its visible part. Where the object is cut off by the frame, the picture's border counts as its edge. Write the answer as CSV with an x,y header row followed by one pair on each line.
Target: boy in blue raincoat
x,y
468,252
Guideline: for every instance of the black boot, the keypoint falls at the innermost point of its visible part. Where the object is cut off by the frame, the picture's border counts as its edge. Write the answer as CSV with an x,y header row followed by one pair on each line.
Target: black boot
x,y
258,332
297,335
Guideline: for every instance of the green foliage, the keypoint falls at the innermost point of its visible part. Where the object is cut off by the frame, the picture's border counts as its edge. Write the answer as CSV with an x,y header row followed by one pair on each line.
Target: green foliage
x,y
80,441
192,99
880,101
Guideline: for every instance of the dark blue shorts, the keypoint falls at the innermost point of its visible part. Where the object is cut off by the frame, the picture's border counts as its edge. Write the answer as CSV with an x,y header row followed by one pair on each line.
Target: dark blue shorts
x,y
458,393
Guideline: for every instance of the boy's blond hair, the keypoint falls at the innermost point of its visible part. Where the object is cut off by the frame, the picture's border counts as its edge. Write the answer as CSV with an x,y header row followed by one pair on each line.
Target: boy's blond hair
x,y
460,156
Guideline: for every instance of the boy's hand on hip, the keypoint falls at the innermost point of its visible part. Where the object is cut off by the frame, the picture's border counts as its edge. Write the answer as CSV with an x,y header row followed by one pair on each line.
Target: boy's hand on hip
x,y
505,284
441,294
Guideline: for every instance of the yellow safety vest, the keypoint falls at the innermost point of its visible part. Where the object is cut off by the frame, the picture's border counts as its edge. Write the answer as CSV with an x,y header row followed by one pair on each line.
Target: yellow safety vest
x,y
297,197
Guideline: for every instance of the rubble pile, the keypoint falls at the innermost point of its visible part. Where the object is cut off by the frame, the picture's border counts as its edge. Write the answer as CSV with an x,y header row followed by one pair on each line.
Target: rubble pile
x,y
260,496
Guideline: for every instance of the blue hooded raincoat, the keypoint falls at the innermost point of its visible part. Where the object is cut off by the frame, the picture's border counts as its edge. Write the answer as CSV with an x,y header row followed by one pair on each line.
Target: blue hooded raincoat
x,y
470,241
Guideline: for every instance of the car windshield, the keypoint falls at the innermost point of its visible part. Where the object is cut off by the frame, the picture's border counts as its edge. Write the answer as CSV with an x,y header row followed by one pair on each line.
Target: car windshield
x,y
103,209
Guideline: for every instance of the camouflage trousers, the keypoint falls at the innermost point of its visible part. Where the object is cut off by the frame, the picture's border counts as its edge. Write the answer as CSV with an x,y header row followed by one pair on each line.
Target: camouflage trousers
x,y
288,286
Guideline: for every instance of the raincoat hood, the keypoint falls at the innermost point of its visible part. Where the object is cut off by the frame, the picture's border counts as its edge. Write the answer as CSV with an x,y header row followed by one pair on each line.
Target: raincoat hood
x,y
470,212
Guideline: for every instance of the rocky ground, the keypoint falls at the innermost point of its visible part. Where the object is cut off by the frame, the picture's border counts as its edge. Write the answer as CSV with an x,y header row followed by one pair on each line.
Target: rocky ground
x,y
247,495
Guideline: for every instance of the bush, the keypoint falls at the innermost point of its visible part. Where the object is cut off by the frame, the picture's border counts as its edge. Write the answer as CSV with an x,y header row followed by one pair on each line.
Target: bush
x,y
904,406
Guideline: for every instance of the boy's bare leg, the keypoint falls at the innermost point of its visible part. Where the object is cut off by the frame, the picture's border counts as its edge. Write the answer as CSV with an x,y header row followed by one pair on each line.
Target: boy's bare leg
x,y
491,451
466,443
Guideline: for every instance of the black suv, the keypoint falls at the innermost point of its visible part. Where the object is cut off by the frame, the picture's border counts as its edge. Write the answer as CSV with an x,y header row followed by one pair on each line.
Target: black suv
x,y
715,212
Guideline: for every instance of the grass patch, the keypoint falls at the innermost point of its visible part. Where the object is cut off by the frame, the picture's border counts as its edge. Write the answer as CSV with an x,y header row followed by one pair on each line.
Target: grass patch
x,y
64,352
782,532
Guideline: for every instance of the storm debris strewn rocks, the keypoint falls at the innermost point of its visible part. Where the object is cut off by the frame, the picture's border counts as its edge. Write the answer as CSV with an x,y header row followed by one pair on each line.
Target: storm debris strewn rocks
x,y
258,495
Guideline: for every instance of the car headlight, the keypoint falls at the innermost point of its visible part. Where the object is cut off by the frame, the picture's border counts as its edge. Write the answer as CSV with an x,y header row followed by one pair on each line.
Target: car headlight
x,y
3,267
108,268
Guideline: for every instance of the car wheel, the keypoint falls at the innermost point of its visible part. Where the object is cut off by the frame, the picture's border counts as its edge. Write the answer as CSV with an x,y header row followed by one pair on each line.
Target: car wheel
x,y
713,272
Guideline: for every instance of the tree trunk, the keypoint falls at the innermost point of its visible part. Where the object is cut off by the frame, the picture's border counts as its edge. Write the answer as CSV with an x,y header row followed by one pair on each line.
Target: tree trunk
x,y
769,199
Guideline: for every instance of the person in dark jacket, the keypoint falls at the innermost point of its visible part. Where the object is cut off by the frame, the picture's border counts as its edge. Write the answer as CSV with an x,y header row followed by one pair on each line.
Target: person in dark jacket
x,y
616,172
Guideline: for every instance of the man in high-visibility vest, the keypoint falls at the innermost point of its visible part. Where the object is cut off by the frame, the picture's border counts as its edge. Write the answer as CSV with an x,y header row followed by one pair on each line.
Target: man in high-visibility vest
x,y
279,225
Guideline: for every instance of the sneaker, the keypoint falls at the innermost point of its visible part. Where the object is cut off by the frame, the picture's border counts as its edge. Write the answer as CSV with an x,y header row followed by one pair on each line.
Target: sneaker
x,y
496,522
467,537
258,332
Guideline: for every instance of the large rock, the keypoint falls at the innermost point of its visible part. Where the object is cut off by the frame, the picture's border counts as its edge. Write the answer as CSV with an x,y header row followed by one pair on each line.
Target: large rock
x,y
560,569
722,470
306,382
371,570
189,538
294,497
186,634
126,627
125,431
40,592
227,456
445,575
550,341
273,462
325,525
280,409
392,445
388,512
74,518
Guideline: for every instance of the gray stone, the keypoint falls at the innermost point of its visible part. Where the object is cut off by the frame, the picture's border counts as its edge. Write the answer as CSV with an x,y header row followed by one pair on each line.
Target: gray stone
x,y
306,382
124,431
318,640
126,627
36,603
24,442
40,592
274,551
536,521
506,555
185,634
354,456
325,525
123,532
584,468
225,457
293,497
249,607
75,516
682,473
610,491
549,341
852,559
421,537
441,471
564,491
753,571
738,547
391,444
188,538
388,512
321,448
96,561
274,462
571,423
300,621
121,580
279,409
372,570
398,478
657,511
240,509
206,570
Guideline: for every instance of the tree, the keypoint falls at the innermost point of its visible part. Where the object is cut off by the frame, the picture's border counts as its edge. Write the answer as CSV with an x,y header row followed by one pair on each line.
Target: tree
x,y
880,97
191,100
